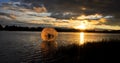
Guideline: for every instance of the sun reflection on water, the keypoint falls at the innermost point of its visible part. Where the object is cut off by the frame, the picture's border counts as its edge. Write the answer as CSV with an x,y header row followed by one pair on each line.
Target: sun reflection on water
x,y
81,38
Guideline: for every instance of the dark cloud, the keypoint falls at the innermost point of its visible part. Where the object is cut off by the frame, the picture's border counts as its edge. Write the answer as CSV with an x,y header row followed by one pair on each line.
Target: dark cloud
x,y
111,5
106,6
8,15
4,14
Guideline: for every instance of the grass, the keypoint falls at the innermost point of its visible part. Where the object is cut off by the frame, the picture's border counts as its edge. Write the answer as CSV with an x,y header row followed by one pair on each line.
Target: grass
x,y
97,52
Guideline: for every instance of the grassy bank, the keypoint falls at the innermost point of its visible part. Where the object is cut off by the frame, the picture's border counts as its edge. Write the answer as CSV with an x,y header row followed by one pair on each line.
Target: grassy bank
x,y
97,52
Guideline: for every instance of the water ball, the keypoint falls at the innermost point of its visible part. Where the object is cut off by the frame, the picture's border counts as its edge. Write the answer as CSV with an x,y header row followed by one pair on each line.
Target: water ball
x,y
49,34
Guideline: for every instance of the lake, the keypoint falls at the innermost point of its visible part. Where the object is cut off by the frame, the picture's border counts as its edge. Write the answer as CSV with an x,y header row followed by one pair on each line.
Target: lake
x,y
25,47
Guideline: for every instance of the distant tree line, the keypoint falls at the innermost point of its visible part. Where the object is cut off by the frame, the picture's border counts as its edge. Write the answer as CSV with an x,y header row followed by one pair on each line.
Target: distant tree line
x,y
20,28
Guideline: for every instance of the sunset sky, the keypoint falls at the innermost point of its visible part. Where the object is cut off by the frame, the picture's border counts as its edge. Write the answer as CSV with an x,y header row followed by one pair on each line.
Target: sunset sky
x,y
78,14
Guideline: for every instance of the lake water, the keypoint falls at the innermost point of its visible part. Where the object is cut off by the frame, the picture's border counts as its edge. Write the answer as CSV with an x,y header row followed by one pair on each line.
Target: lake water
x,y
27,47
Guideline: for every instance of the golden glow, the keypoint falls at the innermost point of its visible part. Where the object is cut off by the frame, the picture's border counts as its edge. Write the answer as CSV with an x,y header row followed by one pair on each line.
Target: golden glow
x,y
82,27
82,38
102,20
95,16
84,22
12,16
83,8
81,17
39,9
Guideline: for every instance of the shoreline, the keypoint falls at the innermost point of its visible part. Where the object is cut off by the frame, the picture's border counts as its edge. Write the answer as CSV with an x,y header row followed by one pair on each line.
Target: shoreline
x,y
62,31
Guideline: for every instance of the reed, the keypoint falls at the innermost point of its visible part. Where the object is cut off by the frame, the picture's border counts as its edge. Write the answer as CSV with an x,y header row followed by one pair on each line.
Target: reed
x,y
105,51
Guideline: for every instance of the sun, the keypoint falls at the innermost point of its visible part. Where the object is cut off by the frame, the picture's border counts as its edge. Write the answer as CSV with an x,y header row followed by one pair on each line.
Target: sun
x,y
82,27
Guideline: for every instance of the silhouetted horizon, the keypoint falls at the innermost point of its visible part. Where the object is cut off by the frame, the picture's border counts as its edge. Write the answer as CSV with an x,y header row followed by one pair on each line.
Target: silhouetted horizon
x,y
59,29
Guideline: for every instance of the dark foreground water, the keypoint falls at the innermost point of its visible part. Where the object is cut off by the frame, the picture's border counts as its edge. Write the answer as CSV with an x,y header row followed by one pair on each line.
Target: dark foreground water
x,y
27,47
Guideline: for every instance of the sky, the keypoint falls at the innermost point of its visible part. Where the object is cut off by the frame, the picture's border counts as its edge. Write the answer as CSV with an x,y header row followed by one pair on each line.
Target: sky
x,y
78,14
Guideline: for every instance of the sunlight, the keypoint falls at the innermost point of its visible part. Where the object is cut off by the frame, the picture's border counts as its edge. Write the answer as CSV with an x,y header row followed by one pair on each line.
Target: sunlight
x,y
82,26
81,38
94,16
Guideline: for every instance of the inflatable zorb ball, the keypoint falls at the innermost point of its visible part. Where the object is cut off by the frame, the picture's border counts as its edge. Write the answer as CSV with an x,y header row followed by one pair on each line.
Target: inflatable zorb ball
x,y
49,34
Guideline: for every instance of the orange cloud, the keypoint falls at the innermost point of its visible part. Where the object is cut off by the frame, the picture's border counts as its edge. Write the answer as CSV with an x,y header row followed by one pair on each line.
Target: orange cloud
x,y
12,16
39,9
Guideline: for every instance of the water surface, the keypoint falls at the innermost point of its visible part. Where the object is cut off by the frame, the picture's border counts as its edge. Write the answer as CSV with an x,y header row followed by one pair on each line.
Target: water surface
x,y
19,47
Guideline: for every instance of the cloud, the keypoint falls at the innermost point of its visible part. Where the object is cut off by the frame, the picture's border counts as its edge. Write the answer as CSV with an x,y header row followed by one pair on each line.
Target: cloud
x,y
108,27
7,16
77,5
39,9
4,17
38,16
